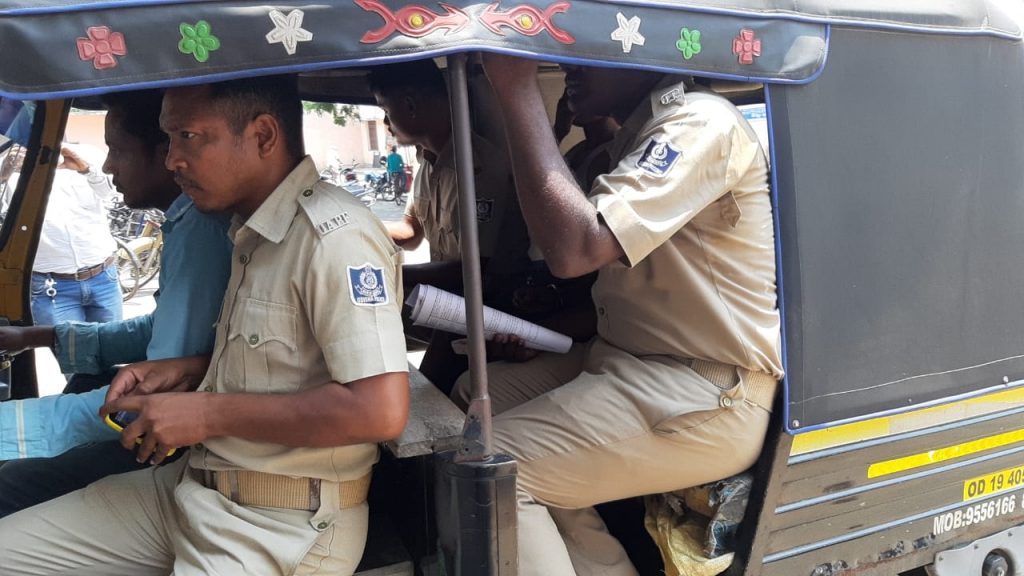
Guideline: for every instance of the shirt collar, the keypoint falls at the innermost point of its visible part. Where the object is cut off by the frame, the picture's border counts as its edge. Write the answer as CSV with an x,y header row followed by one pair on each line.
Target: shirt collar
x,y
445,158
274,216
177,208
666,92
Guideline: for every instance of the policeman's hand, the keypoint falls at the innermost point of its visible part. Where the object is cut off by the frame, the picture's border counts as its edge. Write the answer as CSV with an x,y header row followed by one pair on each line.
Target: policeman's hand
x,y
18,338
507,72
166,421
171,375
510,348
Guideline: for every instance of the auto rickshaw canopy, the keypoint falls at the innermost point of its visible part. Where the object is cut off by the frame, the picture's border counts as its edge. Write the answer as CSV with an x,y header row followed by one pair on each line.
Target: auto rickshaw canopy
x,y
71,48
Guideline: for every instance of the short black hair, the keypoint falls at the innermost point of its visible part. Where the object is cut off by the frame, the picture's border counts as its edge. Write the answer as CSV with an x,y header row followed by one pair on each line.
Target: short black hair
x,y
241,101
139,114
420,75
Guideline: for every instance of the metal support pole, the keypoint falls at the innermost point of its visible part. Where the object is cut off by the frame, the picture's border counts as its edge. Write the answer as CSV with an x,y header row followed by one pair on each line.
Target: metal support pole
x,y
476,434
474,489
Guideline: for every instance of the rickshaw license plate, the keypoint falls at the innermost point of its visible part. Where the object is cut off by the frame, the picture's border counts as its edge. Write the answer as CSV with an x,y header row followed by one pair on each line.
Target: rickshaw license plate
x,y
992,483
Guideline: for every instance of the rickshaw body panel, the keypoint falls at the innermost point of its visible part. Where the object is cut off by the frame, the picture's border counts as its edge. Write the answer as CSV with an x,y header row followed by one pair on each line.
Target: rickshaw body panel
x,y
896,143
899,194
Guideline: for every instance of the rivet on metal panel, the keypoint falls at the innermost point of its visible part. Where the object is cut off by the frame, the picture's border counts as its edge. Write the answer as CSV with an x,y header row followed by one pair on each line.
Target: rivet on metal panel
x,y
796,424
1006,379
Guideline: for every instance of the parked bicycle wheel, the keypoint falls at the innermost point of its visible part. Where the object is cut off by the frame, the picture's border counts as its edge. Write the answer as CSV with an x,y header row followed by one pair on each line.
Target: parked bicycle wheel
x,y
128,270
149,261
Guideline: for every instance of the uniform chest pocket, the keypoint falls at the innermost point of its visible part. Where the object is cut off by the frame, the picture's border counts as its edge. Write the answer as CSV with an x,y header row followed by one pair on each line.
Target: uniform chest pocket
x,y
262,347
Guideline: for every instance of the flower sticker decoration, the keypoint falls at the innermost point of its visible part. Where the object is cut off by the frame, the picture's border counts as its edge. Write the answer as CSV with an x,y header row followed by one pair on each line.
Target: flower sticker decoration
x,y
688,43
746,46
197,40
628,32
288,30
101,46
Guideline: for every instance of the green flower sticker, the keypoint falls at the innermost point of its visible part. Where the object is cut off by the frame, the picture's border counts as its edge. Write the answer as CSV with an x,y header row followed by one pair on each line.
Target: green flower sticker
x,y
197,40
689,43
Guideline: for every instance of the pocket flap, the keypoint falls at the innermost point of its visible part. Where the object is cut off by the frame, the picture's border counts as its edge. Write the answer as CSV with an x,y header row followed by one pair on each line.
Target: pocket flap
x,y
257,322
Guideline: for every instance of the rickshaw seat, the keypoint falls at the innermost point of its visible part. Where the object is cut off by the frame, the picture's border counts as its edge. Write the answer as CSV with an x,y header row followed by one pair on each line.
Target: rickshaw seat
x,y
435,422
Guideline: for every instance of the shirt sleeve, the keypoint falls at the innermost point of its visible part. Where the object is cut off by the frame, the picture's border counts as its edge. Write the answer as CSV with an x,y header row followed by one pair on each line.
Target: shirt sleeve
x,y
51,425
681,165
99,183
193,276
359,327
91,348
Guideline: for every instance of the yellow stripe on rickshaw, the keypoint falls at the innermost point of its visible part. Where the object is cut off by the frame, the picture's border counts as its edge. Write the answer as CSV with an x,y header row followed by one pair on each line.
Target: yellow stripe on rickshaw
x,y
915,420
943,454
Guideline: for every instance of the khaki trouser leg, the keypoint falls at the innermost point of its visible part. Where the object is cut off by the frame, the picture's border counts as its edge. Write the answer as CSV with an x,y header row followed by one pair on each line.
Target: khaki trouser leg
x,y
116,526
624,427
591,548
513,383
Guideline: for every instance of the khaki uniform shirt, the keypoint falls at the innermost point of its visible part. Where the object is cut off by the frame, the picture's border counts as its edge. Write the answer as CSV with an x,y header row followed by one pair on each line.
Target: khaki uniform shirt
x,y
500,225
314,297
688,202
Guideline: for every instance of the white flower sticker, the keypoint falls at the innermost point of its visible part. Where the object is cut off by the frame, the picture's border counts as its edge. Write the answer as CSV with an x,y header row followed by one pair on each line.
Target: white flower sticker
x,y
628,32
288,30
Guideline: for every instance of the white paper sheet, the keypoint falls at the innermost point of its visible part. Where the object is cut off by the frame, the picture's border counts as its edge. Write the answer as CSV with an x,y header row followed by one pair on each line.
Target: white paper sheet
x,y
441,310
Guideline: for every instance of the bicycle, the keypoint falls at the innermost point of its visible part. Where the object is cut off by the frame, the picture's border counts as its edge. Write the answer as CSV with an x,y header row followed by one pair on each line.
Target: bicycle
x,y
383,187
140,245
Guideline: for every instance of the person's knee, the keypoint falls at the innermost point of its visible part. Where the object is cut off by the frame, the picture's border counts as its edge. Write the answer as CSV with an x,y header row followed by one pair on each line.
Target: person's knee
x,y
462,391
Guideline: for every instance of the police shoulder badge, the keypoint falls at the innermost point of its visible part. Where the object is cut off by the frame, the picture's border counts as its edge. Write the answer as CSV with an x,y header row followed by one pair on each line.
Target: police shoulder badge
x,y
658,158
484,210
366,285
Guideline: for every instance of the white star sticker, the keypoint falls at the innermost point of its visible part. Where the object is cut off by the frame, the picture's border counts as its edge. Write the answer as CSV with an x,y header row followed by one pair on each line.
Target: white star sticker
x,y
628,32
288,30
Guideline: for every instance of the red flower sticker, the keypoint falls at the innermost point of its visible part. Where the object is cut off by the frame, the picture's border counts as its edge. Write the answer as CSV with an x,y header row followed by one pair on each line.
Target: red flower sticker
x,y
746,46
101,47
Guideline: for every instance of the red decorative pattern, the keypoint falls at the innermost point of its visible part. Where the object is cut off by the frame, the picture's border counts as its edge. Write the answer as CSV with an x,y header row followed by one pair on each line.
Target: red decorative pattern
x,y
527,20
412,20
746,46
102,46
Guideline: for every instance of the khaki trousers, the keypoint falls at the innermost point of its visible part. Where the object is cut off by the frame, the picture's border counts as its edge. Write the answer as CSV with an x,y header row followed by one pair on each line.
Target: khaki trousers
x,y
619,426
159,521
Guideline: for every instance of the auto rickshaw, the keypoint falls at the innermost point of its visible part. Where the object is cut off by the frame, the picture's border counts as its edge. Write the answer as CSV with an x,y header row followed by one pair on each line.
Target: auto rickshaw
x,y
896,133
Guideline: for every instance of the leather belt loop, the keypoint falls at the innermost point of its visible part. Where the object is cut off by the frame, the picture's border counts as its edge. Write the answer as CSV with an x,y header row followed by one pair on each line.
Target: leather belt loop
x,y
314,493
233,484
758,387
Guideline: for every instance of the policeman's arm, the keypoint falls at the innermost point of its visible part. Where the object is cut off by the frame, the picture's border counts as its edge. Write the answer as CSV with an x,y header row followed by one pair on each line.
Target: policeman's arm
x,y
561,221
407,232
372,409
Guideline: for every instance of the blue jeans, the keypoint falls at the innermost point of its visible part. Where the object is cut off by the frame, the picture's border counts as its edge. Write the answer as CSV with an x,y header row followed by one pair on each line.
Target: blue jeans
x,y
97,299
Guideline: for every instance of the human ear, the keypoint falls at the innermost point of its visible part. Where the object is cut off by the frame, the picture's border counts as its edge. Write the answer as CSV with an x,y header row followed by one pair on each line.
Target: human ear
x,y
267,131
410,105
